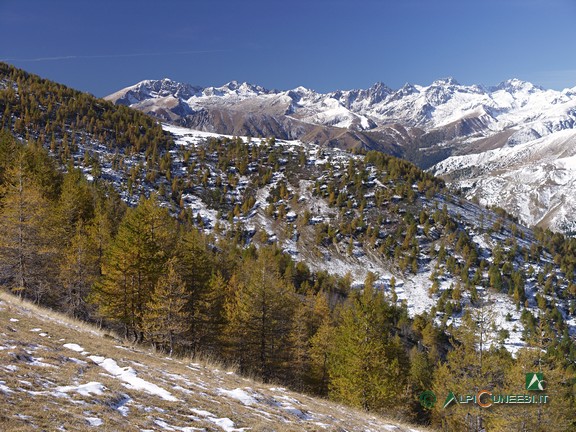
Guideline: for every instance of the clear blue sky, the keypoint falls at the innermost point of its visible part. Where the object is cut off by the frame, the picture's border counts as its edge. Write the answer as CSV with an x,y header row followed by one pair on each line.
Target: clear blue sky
x,y
102,46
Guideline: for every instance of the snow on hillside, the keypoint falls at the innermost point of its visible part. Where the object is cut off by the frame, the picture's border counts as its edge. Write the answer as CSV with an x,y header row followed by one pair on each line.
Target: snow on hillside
x,y
76,378
536,180
461,119
412,289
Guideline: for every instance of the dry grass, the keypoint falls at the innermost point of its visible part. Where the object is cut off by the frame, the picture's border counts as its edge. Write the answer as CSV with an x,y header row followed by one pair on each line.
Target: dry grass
x,y
34,364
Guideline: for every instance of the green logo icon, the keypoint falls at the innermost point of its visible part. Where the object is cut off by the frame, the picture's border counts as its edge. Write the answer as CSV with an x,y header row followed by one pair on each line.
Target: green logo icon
x,y
535,381
427,399
449,399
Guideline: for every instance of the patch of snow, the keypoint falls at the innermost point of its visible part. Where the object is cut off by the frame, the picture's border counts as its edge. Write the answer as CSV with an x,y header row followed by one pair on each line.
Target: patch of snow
x,y
128,375
94,421
4,388
238,394
73,347
84,389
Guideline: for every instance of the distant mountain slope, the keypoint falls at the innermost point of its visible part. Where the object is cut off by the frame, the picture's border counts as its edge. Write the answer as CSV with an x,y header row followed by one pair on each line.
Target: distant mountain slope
x,y
443,111
424,124
535,180
335,211
56,374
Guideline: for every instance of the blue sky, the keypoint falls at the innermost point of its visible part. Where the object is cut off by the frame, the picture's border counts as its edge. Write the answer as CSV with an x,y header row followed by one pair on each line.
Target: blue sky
x,y
325,45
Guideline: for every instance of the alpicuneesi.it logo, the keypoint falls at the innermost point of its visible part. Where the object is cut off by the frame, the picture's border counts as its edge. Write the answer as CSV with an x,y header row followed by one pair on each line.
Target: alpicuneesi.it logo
x,y
485,398
535,381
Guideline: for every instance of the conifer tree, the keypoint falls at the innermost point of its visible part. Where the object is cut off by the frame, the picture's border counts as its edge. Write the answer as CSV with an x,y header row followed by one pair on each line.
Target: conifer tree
x,y
259,314
76,202
24,232
558,413
307,350
321,345
368,366
133,263
195,267
165,317
473,365
79,270
207,316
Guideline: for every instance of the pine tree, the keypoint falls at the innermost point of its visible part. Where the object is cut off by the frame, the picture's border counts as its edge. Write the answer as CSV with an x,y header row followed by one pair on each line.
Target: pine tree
x,y
165,317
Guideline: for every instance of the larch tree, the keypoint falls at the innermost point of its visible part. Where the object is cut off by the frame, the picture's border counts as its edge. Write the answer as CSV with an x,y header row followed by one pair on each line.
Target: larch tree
x,y
24,232
474,364
207,316
195,267
133,263
79,270
165,316
368,365
259,313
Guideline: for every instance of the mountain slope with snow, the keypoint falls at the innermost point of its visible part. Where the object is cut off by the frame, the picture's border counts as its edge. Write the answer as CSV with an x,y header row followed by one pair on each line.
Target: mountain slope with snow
x,y
60,374
424,124
535,180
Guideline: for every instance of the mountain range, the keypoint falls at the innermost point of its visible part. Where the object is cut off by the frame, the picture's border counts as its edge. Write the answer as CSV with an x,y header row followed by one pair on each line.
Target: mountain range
x,y
469,134
467,283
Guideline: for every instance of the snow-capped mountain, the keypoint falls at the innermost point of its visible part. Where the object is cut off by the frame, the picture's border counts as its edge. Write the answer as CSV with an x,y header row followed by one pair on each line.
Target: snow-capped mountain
x,y
513,104
534,180
424,124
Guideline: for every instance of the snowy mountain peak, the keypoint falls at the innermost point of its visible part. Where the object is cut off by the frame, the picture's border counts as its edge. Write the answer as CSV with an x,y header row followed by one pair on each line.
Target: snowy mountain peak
x,y
154,89
378,92
514,85
235,88
449,81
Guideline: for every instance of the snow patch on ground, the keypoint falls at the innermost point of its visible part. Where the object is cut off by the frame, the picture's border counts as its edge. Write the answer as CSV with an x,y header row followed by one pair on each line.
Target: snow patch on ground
x,y
238,394
73,347
84,389
128,375
94,421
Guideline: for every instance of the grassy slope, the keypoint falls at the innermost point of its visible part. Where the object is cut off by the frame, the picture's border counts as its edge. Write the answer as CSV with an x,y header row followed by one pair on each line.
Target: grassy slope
x,y
35,365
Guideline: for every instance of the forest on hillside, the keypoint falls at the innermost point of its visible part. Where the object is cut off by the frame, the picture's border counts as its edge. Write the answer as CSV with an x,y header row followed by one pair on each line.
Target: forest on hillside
x,y
74,245
159,274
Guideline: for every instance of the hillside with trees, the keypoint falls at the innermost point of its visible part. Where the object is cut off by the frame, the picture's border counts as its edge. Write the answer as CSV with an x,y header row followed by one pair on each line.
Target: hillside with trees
x,y
352,276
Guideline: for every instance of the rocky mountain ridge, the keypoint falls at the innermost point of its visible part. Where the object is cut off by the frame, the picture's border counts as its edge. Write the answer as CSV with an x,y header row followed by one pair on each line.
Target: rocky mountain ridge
x,y
424,124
